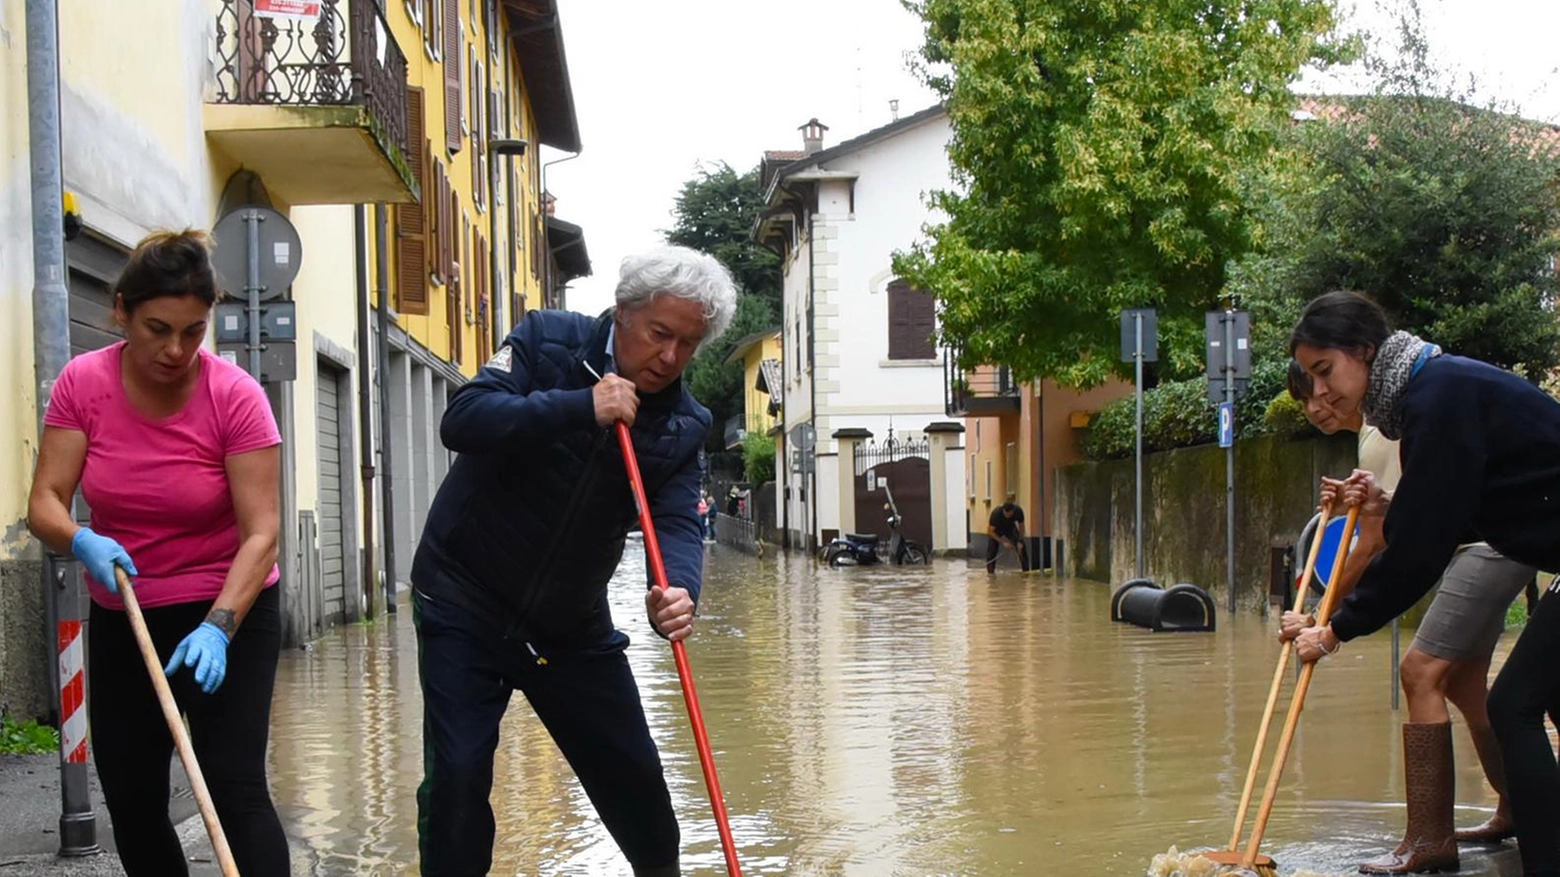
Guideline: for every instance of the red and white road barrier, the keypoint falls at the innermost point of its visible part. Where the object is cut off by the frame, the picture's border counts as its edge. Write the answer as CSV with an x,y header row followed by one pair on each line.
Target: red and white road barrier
x,y
73,694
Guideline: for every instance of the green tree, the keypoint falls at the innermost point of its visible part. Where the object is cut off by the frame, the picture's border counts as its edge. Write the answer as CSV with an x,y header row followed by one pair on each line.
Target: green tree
x,y
1099,150
1441,207
714,214
758,458
1435,202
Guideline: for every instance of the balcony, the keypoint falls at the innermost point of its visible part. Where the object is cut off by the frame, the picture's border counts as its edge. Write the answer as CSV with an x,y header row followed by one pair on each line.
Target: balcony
x,y
317,108
983,390
735,432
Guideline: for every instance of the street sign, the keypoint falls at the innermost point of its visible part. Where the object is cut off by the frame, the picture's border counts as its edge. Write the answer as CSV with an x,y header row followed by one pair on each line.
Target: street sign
x,y
1226,424
278,322
278,359
1129,335
1214,324
279,254
1236,326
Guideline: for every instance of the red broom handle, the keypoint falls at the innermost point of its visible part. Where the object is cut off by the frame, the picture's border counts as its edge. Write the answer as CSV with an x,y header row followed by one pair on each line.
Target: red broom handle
x,y
684,672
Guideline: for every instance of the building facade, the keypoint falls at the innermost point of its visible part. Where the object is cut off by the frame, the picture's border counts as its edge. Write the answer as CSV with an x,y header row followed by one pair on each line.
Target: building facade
x,y
401,141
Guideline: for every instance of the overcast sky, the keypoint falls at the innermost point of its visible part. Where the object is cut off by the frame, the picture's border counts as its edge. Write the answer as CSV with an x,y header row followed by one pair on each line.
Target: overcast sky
x,y
661,88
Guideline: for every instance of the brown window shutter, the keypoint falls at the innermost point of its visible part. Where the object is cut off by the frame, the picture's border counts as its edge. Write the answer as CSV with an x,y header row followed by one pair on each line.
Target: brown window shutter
x,y
912,319
445,254
454,59
411,281
484,306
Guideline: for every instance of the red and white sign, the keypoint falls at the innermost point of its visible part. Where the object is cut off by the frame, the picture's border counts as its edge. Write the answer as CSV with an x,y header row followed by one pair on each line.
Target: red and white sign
x,y
73,691
298,10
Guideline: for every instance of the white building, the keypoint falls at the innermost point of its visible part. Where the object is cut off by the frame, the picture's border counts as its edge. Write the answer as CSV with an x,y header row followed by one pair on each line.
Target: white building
x,y
860,366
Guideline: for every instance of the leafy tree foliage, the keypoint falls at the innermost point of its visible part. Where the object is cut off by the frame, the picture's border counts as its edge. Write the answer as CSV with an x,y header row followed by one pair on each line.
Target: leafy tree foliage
x,y
1442,209
714,214
1099,151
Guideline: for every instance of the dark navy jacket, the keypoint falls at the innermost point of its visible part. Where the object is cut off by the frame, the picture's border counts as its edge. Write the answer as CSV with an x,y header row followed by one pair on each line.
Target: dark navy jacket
x,y
529,525
1481,461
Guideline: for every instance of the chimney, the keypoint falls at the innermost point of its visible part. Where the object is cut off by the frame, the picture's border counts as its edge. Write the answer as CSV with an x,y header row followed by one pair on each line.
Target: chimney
x,y
893,109
812,135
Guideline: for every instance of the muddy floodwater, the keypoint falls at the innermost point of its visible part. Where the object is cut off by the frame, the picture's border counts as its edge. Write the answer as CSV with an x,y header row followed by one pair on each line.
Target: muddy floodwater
x,y
886,721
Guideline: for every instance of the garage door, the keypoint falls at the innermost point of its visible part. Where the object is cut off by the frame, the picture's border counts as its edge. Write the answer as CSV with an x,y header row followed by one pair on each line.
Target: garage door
x,y
333,562
94,266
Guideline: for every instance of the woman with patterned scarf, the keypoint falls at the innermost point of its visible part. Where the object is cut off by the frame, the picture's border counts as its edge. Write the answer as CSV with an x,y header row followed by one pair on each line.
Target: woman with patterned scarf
x,y
1448,661
1480,452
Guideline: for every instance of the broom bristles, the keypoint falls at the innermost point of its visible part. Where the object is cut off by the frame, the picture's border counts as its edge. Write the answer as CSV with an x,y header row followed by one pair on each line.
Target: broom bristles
x,y
1175,863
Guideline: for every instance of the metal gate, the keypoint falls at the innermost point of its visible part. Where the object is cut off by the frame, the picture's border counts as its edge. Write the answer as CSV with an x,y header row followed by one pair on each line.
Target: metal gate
x,y
332,545
905,468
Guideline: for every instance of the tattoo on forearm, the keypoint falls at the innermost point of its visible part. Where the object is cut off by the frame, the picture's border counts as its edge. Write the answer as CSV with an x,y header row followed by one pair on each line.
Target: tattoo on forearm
x,y
223,619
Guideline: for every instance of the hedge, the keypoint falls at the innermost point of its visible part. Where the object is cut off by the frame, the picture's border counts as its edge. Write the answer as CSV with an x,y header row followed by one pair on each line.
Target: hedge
x,y
1178,414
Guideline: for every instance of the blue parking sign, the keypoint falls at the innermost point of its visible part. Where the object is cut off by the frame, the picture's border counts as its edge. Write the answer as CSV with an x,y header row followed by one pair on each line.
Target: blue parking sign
x,y
1226,424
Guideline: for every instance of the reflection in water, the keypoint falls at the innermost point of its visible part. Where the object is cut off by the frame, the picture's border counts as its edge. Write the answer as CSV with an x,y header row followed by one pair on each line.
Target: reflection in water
x,y
884,721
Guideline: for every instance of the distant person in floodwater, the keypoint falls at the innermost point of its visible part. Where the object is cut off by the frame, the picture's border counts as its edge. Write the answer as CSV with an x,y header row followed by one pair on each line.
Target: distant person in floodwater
x,y
1006,528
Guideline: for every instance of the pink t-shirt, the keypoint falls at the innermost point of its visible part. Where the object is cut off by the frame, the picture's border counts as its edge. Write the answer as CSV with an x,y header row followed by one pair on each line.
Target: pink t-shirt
x,y
160,487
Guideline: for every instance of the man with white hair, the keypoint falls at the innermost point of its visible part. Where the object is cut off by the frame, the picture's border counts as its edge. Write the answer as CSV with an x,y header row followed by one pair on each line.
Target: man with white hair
x,y
510,578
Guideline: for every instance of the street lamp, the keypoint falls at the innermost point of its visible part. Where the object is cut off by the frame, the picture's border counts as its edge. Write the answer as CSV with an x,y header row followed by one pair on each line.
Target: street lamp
x,y
507,146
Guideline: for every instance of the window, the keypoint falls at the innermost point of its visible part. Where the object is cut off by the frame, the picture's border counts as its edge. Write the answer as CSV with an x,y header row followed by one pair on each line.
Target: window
x,y
479,157
432,24
1010,467
798,336
412,218
912,320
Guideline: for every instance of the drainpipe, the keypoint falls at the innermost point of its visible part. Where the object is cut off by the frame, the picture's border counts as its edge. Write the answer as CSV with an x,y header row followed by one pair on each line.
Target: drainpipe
x,y
365,374
386,447
51,350
812,382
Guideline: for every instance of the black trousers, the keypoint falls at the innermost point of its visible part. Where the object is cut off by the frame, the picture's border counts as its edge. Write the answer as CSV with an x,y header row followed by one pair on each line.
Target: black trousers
x,y
587,699
993,548
1528,688
133,747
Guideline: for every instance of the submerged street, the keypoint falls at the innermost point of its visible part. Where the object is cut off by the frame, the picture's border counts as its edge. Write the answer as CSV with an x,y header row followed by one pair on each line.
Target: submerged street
x,y
885,721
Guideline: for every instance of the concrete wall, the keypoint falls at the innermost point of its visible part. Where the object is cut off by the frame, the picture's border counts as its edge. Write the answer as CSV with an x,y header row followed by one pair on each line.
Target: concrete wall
x,y
1184,514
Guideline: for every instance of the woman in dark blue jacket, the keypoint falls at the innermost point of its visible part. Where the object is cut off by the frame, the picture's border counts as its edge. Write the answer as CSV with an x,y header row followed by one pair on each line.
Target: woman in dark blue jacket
x,y
1481,461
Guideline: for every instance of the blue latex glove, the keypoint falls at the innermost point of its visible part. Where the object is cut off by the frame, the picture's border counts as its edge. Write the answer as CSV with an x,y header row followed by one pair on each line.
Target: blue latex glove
x,y
205,649
100,554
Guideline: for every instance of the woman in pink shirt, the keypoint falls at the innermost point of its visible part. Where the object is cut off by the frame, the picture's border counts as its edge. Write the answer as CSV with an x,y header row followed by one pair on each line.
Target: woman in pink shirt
x,y
177,454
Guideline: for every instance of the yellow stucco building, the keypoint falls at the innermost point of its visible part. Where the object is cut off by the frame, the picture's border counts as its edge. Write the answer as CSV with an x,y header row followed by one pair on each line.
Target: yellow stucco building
x,y
401,139
759,354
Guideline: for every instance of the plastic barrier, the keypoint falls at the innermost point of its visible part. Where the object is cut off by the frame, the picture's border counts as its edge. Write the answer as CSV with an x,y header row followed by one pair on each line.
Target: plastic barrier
x,y
1179,608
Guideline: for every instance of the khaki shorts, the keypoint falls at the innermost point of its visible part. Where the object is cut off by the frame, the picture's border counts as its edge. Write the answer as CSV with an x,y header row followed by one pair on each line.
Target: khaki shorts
x,y
1469,611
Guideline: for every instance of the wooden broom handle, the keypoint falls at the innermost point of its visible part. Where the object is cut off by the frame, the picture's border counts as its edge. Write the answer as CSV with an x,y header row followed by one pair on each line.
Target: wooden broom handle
x,y
1298,701
181,739
1278,682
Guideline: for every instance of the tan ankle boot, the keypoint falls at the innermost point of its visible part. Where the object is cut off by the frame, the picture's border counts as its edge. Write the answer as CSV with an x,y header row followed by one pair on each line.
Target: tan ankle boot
x,y
1500,826
1429,844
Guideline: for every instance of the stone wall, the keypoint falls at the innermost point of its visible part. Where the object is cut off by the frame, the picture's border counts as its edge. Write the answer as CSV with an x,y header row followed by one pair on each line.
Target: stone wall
x,y
1184,512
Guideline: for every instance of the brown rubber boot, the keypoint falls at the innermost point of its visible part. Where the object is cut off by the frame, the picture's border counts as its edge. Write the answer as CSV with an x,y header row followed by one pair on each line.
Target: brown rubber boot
x,y
1500,826
1428,844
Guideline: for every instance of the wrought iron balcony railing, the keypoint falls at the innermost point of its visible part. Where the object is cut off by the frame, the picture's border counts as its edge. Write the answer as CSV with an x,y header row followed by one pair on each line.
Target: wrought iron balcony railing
x,y
986,389
347,57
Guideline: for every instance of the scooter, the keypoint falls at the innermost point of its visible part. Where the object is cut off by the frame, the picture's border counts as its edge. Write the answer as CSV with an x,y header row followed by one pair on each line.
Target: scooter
x,y
861,549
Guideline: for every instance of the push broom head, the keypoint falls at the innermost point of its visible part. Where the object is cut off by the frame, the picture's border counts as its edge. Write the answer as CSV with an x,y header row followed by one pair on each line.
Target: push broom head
x,y
1208,863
